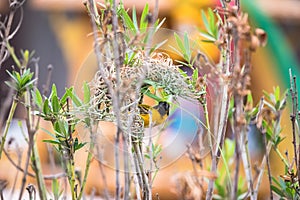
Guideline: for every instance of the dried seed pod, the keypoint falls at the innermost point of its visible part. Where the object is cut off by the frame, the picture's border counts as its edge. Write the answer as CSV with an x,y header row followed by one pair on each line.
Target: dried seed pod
x,y
255,43
262,36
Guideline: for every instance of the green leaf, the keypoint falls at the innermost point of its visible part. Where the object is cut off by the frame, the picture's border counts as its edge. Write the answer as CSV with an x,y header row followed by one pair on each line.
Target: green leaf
x,y
144,21
86,93
78,145
277,93
37,97
183,73
275,181
195,76
183,63
52,141
153,96
205,21
157,26
277,190
48,132
55,189
187,47
26,57
209,37
179,43
212,23
11,84
46,108
134,19
128,21
74,97
249,98
61,128
229,148
64,98
53,90
13,76
55,104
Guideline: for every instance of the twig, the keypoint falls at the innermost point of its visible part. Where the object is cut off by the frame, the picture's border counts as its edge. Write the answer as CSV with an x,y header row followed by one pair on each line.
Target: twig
x,y
30,146
7,125
5,37
193,159
46,177
31,191
5,105
237,166
136,172
293,117
48,80
106,194
3,184
268,164
140,162
88,160
225,97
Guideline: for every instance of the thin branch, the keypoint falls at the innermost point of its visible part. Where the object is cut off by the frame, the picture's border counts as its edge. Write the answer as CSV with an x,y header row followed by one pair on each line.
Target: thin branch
x,y
268,164
46,177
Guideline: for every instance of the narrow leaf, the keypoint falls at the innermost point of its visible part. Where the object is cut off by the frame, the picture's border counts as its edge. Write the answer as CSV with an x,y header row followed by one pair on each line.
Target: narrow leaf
x,y
134,19
55,104
179,42
52,141
86,93
74,98
144,21
128,21
46,109
187,47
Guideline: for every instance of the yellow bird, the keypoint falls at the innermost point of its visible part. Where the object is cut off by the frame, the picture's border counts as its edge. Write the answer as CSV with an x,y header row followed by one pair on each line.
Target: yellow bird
x,y
157,114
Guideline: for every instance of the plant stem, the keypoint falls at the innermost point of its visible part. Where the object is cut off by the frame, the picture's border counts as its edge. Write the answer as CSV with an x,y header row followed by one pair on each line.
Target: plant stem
x,y
268,165
30,145
223,117
6,35
38,172
135,169
281,157
7,125
262,168
88,162
126,168
117,163
146,187
205,112
237,167
247,164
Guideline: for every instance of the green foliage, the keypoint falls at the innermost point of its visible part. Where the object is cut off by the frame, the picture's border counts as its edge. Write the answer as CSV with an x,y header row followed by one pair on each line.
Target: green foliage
x,y
20,81
141,29
223,182
57,110
211,32
287,187
275,103
184,49
155,151
158,95
57,192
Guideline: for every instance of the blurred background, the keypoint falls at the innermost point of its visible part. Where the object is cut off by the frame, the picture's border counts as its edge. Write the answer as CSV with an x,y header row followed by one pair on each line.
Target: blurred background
x,y
59,32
